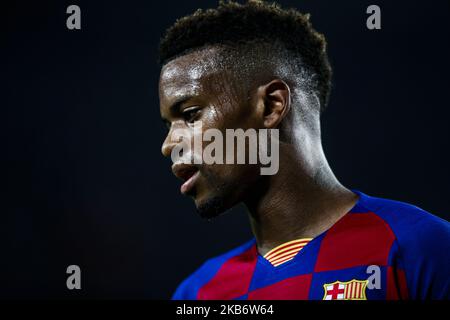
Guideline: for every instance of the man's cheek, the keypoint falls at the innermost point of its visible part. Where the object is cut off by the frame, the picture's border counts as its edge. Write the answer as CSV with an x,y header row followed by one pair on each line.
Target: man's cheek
x,y
212,176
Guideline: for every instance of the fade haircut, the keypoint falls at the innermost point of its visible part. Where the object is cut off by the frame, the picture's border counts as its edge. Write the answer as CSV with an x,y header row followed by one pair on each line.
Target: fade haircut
x,y
256,38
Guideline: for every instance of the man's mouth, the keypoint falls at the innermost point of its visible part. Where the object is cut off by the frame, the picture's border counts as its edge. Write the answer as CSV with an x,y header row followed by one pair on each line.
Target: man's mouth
x,y
188,173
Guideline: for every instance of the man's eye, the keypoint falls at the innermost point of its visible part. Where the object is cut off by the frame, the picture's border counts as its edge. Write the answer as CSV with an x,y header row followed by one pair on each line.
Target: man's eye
x,y
191,114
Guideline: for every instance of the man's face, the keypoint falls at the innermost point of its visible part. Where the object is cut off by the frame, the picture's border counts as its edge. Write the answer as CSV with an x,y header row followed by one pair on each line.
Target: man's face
x,y
194,88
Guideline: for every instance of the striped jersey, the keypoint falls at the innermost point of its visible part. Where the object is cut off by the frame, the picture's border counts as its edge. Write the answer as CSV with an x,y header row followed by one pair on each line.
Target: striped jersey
x,y
381,249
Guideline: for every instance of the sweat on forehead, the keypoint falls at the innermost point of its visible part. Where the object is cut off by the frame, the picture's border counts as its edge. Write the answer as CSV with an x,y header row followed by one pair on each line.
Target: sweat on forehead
x,y
206,68
194,64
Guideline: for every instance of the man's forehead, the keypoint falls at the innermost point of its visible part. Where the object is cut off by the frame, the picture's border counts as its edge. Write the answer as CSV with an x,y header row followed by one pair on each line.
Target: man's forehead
x,y
187,72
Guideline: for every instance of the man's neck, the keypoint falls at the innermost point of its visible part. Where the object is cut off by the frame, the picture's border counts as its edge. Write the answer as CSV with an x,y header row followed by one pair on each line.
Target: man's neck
x,y
296,203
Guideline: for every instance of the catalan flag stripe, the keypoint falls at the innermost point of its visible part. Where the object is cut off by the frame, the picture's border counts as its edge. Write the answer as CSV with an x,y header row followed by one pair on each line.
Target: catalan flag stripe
x,y
281,251
286,254
286,251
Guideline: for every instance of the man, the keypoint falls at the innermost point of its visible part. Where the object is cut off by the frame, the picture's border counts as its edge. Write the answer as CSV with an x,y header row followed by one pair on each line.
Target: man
x,y
257,66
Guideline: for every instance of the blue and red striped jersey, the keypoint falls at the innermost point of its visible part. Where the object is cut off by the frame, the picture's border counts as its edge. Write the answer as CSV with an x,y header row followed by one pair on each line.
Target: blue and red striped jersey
x,y
381,249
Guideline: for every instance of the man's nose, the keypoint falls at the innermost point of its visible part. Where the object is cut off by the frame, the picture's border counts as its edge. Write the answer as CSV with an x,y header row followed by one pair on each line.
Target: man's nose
x,y
168,145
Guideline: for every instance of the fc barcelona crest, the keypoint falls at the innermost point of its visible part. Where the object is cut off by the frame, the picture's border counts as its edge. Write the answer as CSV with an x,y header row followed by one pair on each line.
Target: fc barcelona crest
x,y
350,290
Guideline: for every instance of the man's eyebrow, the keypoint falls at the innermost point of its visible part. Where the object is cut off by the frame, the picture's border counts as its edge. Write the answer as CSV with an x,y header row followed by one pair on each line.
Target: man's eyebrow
x,y
173,108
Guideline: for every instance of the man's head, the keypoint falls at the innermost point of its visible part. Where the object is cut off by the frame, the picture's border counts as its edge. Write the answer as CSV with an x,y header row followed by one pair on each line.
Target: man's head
x,y
241,66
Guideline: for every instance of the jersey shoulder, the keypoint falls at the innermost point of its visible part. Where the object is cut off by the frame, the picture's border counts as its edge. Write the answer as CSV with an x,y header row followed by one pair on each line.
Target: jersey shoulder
x,y
188,289
409,223
422,245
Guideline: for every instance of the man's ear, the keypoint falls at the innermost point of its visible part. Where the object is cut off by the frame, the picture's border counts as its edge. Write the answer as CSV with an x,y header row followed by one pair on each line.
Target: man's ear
x,y
274,102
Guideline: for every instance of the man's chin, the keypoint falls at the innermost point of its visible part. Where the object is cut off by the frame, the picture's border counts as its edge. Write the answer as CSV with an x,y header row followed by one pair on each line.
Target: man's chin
x,y
210,208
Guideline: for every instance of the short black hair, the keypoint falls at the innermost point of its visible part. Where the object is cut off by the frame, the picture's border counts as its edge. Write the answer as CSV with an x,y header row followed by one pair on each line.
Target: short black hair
x,y
233,24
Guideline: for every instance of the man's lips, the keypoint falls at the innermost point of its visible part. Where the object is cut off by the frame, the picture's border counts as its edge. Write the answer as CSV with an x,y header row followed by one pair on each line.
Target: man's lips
x,y
186,172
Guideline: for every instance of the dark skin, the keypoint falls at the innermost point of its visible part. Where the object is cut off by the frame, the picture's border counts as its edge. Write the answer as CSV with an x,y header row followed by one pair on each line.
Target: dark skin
x,y
302,200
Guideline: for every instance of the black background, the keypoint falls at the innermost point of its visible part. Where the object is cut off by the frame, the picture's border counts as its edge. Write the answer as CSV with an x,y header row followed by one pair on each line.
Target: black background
x,y
83,177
